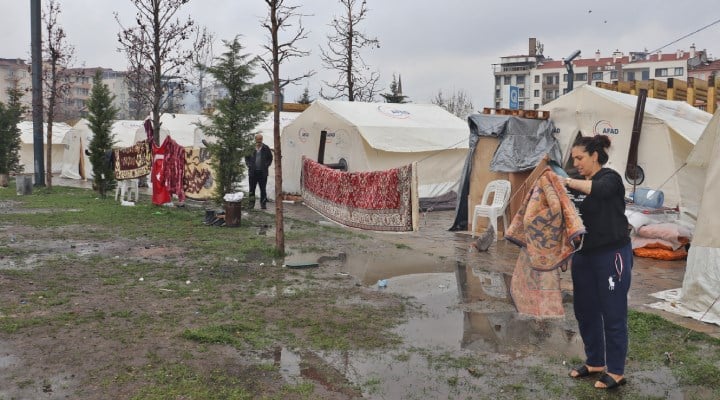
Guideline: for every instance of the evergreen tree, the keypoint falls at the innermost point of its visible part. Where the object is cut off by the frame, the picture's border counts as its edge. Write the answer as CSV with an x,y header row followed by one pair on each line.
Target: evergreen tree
x,y
101,115
237,114
395,95
10,142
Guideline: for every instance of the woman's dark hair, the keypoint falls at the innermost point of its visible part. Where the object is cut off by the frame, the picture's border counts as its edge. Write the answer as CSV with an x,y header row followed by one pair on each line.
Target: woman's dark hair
x,y
595,144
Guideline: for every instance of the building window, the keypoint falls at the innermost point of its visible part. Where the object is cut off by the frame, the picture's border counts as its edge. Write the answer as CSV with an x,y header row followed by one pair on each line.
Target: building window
x,y
537,78
549,79
521,105
597,76
645,75
521,92
508,80
581,77
564,77
497,93
630,76
536,93
497,80
659,72
613,74
679,71
536,106
548,95
497,104
520,79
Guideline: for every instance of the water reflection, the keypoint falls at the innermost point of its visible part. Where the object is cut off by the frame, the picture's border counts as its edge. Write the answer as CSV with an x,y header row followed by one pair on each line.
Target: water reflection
x,y
492,330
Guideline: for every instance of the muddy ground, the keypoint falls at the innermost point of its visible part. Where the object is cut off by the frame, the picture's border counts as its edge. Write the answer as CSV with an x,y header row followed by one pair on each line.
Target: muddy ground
x,y
89,311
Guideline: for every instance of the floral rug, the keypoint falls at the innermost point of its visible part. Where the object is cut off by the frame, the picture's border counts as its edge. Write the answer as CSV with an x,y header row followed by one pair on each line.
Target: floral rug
x,y
544,227
376,200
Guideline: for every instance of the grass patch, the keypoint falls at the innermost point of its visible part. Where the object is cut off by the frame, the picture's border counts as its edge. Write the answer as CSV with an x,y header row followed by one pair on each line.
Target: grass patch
x,y
181,382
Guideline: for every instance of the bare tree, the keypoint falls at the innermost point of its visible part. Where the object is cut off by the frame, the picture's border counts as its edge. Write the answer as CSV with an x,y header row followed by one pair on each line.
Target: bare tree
x,y
202,59
58,54
343,55
156,41
137,80
280,18
458,103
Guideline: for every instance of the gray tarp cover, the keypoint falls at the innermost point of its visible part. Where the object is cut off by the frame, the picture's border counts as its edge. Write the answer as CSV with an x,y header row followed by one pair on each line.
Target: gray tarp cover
x,y
523,143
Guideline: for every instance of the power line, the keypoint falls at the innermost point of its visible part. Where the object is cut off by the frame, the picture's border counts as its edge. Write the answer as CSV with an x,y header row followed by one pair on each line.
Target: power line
x,y
688,35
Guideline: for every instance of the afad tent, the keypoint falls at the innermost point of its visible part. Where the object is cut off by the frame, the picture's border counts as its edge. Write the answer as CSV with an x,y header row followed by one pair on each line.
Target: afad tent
x,y
76,164
266,129
699,297
27,152
669,132
379,136
183,128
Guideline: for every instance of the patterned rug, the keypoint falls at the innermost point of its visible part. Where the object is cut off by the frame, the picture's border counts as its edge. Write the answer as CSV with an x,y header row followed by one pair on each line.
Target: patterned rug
x,y
377,200
544,227
198,181
132,162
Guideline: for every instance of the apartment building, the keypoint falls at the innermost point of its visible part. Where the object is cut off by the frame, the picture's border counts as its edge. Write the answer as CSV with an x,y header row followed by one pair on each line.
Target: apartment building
x,y
14,72
529,81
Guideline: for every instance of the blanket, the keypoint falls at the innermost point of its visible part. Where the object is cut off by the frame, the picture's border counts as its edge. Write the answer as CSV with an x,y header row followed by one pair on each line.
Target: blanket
x,y
545,228
376,200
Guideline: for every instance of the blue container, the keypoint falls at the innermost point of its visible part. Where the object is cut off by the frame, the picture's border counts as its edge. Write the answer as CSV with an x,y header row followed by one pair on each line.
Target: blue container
x,y
646,197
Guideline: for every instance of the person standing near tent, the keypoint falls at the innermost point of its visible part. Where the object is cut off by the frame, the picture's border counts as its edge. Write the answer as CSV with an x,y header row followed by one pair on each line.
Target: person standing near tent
x,y
601,268
258,164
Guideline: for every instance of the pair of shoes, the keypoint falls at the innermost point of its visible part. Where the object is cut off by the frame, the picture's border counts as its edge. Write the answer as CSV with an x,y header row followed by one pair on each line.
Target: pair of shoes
x,y
610,382
263,206
582,372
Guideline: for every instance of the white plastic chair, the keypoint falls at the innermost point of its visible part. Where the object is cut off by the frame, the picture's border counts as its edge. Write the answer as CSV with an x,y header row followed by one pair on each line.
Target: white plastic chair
x,y
501,195
127,186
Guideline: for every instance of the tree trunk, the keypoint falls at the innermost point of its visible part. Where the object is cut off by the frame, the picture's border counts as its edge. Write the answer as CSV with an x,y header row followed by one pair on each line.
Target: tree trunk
x,y
279,222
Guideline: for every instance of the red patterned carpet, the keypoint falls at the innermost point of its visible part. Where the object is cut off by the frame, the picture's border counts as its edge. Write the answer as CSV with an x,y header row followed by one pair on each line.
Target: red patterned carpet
x,y
377,200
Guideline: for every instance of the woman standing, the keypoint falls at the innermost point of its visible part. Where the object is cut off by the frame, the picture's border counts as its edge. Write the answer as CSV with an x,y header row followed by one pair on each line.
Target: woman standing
x,y
601,268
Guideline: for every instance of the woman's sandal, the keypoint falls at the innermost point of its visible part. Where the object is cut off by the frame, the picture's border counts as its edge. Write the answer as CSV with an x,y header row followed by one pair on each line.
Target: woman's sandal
x,y
610,382
582,372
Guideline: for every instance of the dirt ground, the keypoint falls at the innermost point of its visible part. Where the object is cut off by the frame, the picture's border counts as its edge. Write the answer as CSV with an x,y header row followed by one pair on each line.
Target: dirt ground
x,y
91,329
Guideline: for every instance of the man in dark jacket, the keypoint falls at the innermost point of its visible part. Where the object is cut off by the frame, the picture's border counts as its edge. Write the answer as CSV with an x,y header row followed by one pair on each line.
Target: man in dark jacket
x,y
258,163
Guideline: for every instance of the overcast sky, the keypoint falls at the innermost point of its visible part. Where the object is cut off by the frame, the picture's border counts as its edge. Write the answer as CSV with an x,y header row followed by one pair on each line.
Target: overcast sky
x,y
446,45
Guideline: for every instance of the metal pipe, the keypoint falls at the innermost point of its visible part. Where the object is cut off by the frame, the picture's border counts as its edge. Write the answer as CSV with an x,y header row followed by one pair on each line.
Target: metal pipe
x,y
37,101
321,151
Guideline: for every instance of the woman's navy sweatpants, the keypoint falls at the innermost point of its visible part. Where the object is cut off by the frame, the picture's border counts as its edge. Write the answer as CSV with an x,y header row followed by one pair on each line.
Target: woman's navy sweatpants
x,y
601,281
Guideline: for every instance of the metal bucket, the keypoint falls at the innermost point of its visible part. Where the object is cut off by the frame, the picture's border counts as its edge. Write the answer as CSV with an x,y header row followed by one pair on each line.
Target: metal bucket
x,y
233,213
23,184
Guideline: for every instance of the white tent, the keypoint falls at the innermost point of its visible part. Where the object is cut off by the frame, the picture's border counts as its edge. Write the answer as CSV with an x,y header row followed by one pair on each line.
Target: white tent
x,y
76,164
27,152
379,136
77,140
701,285
266,129
669,132
183,128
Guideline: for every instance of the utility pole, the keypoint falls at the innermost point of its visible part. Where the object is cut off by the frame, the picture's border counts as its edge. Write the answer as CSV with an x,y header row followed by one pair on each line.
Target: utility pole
x,y
37,103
